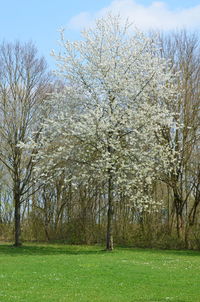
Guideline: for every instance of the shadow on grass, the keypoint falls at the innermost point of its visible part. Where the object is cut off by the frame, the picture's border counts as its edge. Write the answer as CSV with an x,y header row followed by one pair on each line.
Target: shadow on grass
x,y
50,249
164,251
45,250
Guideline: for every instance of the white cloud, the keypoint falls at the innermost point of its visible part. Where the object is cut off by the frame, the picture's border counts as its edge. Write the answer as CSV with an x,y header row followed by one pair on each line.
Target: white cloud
x,y
81,20
157,15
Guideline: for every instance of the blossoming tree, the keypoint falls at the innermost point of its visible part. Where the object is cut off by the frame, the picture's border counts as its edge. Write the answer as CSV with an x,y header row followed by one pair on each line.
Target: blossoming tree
x,y
109,123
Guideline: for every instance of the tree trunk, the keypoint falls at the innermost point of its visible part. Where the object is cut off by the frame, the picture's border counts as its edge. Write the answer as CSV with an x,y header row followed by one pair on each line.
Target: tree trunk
x,y
17,218
109,237
187,237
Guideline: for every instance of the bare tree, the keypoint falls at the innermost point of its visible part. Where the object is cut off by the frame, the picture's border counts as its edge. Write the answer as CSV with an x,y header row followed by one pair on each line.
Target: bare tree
x,y
182,48
24,82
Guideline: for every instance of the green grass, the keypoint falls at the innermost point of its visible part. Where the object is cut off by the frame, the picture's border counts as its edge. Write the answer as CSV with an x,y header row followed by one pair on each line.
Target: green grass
x,y
62,273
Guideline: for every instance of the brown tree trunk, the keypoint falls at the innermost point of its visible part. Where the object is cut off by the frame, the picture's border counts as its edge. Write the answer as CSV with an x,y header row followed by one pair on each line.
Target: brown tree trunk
x,y
17,218
109,236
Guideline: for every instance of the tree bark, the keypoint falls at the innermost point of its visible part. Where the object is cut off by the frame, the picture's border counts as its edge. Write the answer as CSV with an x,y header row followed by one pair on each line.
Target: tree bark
x,y
17,219
109,236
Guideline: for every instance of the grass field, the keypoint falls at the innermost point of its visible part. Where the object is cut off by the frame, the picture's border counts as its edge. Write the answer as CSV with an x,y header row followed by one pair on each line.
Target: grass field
x,y
62,273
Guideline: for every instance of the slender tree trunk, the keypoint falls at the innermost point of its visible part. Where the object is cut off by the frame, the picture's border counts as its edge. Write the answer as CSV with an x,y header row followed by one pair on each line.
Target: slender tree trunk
x,y
46,231
17,218
178,225
109,237
168,212
187,237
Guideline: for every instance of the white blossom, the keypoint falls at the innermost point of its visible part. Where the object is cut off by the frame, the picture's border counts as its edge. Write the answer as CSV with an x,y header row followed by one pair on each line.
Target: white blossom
x,y
112,113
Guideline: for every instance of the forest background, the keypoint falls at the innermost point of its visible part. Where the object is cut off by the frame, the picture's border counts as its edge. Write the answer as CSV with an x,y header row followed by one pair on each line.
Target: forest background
x,y
34,209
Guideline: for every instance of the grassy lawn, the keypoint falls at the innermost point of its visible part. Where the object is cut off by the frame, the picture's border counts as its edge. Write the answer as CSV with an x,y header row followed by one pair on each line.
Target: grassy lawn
x,y
62,273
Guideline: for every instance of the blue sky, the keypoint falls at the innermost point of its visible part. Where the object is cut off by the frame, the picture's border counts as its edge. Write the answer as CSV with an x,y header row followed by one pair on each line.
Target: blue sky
x,y
39,20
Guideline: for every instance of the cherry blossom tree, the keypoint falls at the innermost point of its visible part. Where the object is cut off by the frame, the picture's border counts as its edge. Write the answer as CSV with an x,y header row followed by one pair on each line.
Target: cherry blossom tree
x,y
109,122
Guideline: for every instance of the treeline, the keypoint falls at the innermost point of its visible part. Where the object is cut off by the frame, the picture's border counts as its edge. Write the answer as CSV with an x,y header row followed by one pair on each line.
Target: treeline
x,y
49,206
